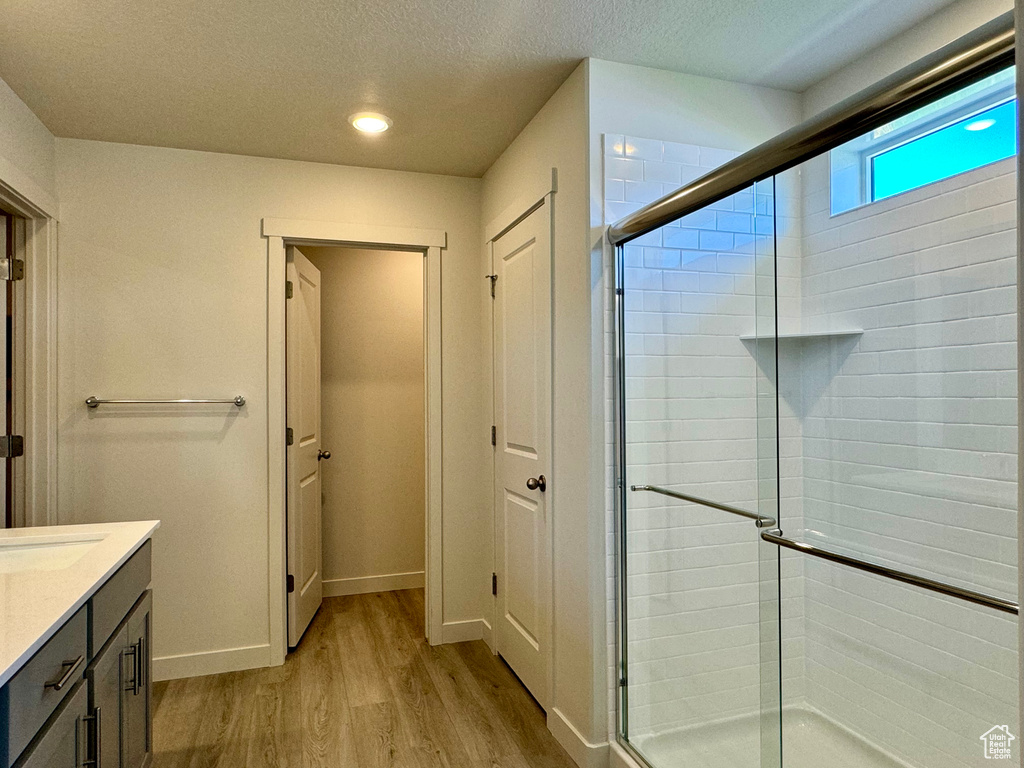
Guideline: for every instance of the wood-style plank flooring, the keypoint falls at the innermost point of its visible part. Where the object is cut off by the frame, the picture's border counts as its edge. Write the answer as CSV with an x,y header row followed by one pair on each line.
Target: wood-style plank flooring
x,y
364,690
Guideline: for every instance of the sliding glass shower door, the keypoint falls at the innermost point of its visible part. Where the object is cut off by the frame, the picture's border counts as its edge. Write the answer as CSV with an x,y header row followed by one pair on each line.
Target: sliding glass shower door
x,y
698,417
817,462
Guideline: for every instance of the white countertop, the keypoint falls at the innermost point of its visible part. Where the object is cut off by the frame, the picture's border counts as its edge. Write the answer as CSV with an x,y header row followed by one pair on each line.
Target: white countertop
x,y
48,573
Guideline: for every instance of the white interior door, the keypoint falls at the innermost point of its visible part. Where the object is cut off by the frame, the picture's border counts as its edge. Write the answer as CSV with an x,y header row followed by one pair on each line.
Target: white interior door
x,y
305,581
522,457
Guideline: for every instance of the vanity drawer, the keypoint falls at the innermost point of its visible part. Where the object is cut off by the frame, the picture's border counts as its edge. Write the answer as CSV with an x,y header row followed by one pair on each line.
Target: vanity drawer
x,y
115,598
63,742
32,695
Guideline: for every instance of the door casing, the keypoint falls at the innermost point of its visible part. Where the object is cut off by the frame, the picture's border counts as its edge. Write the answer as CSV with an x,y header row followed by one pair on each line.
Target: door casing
x,y
279,233
38,503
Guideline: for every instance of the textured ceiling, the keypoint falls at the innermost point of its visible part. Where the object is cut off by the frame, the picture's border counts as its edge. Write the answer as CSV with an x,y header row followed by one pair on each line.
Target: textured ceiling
x,y
460,78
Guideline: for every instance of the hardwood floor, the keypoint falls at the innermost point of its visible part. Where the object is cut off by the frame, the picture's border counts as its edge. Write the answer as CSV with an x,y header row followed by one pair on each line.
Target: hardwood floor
x,y
363,690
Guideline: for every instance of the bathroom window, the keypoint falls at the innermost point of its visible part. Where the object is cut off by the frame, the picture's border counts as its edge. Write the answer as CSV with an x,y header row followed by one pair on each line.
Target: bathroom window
x,y
965,130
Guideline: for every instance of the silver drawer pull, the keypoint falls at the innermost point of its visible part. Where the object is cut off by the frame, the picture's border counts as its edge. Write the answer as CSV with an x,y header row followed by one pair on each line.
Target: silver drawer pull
x,y
139,664
132,685
71,667
95,719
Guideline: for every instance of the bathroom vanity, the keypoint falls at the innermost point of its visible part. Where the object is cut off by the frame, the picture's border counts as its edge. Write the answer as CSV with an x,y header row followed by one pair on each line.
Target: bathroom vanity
x,y
75,639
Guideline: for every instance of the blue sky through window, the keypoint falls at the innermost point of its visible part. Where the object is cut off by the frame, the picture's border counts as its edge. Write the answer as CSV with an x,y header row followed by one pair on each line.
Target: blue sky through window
x,y
969,143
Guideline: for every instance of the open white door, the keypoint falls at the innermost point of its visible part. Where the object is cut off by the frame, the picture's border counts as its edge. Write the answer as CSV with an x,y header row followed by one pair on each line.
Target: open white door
x,y
305,582
522,458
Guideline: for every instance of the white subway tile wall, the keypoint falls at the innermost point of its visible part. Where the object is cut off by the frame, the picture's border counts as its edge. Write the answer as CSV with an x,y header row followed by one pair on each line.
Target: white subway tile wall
x,y
910,458
899,443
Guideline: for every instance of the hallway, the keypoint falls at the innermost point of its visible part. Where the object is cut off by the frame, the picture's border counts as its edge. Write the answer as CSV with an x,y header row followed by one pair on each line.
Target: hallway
x,y
363,689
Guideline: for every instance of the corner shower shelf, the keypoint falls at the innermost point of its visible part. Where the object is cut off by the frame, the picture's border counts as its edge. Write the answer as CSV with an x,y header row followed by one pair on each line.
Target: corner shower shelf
x,y
804,335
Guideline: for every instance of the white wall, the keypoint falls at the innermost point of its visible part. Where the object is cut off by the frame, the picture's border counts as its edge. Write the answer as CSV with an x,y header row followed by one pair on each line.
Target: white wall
x,y
672,106
941,28
372,416
557,137
163,280
27,152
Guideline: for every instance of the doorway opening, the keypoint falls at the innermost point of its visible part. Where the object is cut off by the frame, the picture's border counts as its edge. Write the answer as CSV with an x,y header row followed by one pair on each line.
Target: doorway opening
x,y
283,236
355,359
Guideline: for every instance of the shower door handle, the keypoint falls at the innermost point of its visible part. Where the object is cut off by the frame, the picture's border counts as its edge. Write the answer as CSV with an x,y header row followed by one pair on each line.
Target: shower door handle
x,y
535,483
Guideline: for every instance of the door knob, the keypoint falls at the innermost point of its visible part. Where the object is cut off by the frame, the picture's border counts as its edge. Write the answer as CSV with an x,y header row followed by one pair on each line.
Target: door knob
x,y
537,482
323,455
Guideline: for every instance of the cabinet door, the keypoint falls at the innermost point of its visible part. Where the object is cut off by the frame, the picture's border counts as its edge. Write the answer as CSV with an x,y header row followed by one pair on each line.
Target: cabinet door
x,y
106,677
62,742
136,736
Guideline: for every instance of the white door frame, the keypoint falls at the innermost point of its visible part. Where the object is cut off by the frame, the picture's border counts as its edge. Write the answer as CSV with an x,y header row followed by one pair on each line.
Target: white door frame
x,y
430,242
22,197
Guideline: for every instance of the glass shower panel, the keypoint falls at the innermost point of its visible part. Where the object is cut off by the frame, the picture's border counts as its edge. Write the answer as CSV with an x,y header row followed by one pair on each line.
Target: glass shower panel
x,y
897,371
764,348
699,604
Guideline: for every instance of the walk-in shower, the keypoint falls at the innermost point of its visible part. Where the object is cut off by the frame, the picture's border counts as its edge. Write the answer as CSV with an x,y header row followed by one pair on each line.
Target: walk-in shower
x,y
817,437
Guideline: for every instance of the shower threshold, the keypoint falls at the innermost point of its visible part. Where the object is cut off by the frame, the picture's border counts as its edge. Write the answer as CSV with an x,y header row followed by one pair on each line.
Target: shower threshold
x,y
812,740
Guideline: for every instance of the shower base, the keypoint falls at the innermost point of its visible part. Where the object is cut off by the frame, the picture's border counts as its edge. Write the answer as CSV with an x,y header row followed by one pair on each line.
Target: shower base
x,y
811,741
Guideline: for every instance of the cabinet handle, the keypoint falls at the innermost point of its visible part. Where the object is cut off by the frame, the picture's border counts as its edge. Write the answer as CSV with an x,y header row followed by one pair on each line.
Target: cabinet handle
x,y
71,665
138,668
95,761
144,661
132,684
136,651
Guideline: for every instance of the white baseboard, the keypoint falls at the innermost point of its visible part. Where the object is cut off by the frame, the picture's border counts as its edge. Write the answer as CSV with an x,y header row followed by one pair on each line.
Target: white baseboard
x,y
211,662
620,758
366,584
463,631
488,634
583,753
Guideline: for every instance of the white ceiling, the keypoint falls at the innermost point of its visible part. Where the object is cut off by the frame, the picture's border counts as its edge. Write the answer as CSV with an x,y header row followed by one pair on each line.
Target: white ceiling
x,y
460,78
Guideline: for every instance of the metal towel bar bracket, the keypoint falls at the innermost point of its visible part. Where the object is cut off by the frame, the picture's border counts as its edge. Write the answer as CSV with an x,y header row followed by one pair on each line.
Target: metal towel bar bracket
x,y
94,402
776,537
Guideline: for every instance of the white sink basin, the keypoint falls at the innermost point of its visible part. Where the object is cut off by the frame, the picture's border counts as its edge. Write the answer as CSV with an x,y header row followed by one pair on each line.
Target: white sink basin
x,y
44,553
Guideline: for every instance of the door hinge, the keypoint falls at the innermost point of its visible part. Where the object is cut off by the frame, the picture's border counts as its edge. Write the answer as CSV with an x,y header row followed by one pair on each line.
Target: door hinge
x,y
494,584
12,269
12,446
289,289
493,279
291,583
289,436
494,435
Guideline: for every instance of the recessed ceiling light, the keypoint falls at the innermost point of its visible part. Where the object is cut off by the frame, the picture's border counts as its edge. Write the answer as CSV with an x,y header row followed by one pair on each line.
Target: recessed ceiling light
x,y
980,125
370,122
